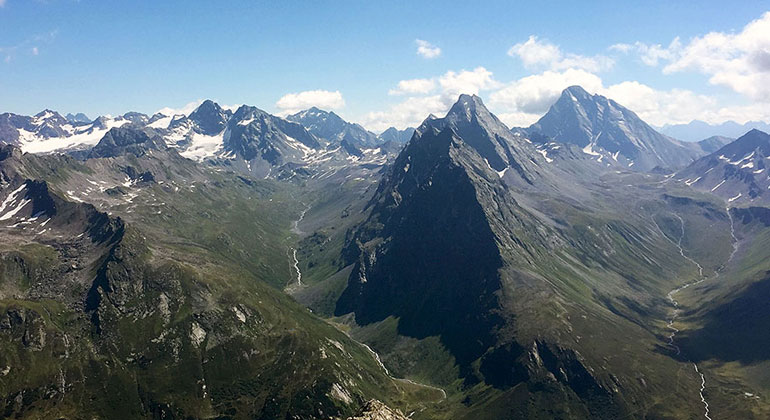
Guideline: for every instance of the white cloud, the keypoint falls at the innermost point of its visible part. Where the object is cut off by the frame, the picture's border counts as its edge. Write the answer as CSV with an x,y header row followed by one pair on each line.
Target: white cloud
x,y
35,51
542,54
187,109
408,113
414,109
524,101
467,81
413,86
2,3
660,107
427,50
624,48
680,106
651,54
231,108
295,102
739,61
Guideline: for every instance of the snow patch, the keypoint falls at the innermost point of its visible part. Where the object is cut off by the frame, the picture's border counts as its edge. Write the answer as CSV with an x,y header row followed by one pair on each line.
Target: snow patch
x,y
81,137
203,146
12,199
161,122
545,155
690,182
717,186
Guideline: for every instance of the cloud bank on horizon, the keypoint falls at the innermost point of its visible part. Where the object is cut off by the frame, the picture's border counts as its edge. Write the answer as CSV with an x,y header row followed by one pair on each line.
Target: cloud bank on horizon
x,y
379,69
737,61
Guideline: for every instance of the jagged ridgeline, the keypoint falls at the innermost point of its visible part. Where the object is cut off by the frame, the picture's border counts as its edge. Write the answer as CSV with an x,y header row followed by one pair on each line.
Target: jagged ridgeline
x,y
233,264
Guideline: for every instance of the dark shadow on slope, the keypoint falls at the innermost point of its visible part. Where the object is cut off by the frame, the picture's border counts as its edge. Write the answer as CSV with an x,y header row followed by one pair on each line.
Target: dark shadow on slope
x,y
736,330
428,255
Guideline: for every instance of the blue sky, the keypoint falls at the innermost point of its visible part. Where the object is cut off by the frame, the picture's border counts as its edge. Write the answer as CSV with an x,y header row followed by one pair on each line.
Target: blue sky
x,y
109,57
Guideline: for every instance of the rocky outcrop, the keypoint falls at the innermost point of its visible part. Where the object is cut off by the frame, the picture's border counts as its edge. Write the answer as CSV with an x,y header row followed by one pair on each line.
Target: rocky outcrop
x,y
376,410
126,141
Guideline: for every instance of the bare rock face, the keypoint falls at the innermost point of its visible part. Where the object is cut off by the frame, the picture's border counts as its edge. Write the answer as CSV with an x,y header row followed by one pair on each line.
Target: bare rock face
x,y
376,410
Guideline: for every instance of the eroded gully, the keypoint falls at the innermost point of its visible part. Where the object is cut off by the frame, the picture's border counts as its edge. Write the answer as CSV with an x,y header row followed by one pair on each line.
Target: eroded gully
x,y
701,278
295,229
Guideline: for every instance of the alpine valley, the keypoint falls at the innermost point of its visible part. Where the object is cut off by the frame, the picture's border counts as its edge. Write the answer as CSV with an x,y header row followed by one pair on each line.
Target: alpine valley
x,y
233,264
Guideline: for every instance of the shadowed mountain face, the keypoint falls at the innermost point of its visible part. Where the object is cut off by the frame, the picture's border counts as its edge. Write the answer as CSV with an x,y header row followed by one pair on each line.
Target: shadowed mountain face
x,y
398,136
610,132
78,118
210,118
127,140
729,327
448,251
254,133
508,155
714,143
332,128
423,281
437,267
738,172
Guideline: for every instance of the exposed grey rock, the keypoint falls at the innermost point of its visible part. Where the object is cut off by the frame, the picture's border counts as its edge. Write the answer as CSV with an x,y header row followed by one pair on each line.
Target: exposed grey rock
x,y
611,132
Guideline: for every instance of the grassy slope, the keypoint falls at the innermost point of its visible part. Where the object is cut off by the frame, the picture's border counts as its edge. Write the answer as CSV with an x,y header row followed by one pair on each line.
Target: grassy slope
x,y
216,249
620,286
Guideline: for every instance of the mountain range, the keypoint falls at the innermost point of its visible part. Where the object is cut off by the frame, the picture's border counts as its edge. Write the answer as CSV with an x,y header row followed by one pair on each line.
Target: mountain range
x,y
237,264
737,172
611,132
698,130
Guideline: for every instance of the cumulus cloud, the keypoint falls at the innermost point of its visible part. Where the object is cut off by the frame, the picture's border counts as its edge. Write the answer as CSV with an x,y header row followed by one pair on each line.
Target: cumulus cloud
x,y
466,81
523,101
427,50
408,113
187,109
660,107
739,61
414,109
295,102
537,54
413,86
680,106
35,51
